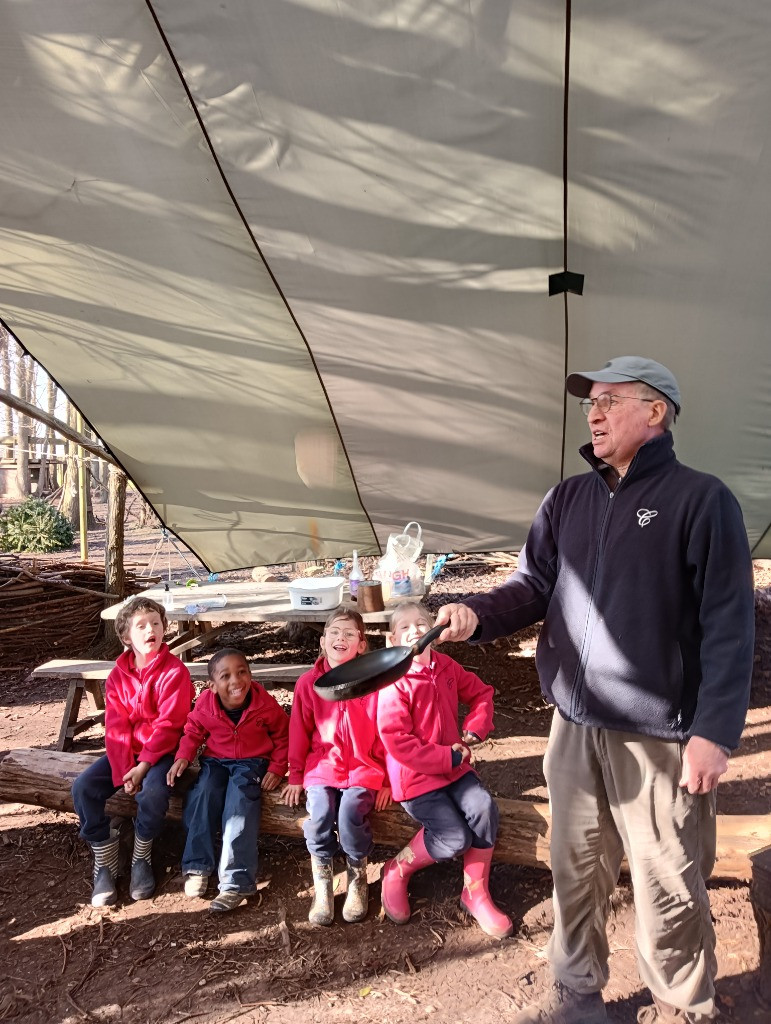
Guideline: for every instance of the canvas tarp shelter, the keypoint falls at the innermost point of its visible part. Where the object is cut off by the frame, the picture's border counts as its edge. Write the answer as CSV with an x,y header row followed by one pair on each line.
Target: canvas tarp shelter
x,y
291,258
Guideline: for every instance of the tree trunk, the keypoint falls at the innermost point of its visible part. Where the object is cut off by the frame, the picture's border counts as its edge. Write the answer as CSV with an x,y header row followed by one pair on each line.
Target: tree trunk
x,y
44,778
23,483
114,572
6,424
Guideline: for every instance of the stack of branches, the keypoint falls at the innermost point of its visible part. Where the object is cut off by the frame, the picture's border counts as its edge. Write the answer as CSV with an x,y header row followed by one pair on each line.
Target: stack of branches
x,y
51,609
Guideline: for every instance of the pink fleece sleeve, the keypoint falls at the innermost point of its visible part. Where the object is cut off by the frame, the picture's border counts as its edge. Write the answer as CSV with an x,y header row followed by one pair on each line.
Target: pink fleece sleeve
x,y
394,722
117,728
301,726
175,695
278,727
478,696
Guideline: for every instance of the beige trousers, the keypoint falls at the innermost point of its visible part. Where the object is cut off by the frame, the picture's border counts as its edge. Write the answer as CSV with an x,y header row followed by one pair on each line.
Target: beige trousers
x,y
614,794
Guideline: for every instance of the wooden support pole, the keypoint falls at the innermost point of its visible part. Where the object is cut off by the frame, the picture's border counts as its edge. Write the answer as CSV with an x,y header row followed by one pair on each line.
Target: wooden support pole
x,y
44,778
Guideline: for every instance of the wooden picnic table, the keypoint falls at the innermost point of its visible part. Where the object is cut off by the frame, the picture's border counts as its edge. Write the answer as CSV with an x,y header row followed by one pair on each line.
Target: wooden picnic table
x,y
246,602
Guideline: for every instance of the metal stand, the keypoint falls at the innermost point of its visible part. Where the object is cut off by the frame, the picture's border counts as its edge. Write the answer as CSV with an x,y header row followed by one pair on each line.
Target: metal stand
x,y
170,542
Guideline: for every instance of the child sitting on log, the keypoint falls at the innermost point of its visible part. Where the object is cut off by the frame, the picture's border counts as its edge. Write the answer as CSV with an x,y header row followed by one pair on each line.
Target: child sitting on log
x,y
336,754
147,697
245,737
429,766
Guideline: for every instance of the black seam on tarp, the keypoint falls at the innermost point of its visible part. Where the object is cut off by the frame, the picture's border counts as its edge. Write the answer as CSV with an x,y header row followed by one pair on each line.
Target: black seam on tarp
x,y
565,98
256,245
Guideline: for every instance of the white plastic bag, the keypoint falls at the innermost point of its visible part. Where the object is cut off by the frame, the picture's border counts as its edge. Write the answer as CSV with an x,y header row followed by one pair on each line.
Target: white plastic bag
x,y
396,570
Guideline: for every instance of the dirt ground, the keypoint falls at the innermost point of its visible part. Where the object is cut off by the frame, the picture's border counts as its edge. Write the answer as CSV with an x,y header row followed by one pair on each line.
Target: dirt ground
x,y
169,960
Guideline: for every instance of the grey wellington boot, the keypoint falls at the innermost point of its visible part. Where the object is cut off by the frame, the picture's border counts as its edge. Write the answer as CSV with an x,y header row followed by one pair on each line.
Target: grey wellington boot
x,y
105,872
142,884
357,897
562,1005
323,910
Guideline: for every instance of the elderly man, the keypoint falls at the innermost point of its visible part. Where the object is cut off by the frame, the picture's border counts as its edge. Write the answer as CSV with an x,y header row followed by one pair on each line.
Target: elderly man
x,y
642,574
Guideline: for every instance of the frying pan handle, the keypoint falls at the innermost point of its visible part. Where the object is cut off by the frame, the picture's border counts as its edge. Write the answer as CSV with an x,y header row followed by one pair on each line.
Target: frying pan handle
x,y
429,637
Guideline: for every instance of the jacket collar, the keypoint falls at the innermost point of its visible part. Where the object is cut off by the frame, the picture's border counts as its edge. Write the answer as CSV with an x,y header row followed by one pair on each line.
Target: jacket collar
x,y
650,458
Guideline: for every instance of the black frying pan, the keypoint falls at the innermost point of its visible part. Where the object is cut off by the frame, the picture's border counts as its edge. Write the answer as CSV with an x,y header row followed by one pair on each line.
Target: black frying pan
x,y
370,672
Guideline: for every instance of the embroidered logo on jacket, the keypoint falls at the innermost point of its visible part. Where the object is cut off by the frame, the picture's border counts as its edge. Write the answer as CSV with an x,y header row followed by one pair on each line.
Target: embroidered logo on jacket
x,y
644,515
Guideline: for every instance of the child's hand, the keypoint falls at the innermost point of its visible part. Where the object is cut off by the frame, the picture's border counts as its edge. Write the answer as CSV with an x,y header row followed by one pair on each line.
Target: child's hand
x,y
383,798
291,796
270,780
132,780
471,738
176,770
464,751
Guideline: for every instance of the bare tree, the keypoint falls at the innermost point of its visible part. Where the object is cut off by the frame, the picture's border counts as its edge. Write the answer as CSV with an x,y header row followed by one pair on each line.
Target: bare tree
x,y
23,429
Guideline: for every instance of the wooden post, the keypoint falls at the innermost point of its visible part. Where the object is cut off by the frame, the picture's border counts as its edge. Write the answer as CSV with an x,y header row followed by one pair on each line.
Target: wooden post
x,y
114,573
82,494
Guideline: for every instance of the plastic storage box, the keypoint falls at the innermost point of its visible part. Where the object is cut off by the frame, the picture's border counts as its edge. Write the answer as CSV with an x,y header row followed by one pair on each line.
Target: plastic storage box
x,y
319,592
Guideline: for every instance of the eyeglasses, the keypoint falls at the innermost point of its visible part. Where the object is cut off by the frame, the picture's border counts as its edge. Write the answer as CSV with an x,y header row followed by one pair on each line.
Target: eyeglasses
x,y
606,401
346,634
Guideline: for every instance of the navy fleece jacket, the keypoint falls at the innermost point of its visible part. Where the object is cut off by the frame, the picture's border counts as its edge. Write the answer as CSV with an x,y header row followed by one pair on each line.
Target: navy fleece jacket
x,y
647,599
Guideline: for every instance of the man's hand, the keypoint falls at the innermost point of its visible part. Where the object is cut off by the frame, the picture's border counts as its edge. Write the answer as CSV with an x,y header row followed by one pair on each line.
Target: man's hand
x,y
176,770
703,764
461,622
383,798
291,796
270,780
132,780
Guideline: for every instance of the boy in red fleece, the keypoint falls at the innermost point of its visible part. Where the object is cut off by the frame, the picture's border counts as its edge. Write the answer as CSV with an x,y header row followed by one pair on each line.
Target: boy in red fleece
x,y
245,737
147,697
336,754
429,766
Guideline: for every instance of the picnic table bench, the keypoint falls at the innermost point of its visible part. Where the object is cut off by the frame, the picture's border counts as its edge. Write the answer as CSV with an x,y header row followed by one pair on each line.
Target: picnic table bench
x,y
87,679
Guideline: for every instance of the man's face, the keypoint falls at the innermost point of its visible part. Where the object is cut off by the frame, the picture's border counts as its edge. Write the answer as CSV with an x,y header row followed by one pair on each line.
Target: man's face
x,y
618,433
231,680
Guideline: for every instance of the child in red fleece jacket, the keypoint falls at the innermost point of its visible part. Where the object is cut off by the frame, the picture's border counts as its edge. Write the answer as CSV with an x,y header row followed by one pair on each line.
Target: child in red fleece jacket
x,y
336,754
429,766
147,697
245,737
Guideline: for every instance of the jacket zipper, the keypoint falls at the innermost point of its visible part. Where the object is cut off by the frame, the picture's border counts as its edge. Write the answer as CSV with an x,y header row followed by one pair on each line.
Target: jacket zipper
x,y
578,679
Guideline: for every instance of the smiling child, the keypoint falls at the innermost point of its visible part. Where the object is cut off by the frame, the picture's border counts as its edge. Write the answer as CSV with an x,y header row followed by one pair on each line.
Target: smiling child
x,y
245,737
335,753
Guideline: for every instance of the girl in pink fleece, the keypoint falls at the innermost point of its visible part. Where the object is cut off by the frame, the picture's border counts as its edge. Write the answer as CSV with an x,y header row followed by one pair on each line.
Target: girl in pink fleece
x,y
335,754
429,765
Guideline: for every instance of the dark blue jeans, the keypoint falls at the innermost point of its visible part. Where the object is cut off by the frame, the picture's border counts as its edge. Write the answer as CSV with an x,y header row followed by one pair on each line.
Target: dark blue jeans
x,y
456,817
346,810
94,787
227,796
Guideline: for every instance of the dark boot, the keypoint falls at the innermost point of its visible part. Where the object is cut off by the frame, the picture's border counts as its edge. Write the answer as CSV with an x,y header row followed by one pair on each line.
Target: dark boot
x,y
357,897
105,872
660,1012
561,1005
142,884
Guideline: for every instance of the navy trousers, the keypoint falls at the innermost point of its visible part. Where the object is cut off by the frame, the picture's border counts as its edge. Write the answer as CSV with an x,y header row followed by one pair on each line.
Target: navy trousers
x,y
456,817
346,810
94,787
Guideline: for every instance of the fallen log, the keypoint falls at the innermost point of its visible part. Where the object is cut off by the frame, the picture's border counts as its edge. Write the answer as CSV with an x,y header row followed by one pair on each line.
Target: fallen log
x,y
44,778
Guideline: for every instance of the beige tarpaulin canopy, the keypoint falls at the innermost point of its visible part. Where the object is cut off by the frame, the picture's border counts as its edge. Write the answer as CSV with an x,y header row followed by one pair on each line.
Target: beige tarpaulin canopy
x,y
291,257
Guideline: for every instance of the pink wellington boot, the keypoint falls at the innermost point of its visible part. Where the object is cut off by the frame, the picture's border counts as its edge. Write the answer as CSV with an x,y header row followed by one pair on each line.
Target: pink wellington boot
x,y
475,898
396,875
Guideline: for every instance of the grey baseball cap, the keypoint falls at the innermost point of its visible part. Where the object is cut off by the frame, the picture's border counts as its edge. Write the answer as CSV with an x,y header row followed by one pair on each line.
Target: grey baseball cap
x,y
627,368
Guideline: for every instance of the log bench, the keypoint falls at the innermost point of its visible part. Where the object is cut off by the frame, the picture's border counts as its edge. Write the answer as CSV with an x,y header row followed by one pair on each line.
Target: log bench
x,y
87,679
44,778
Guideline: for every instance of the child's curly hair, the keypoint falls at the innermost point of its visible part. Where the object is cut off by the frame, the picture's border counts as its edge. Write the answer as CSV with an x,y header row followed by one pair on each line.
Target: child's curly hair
x,y
133,607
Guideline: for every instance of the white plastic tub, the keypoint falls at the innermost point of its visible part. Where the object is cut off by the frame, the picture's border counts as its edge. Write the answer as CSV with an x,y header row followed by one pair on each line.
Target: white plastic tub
x,y
317,592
